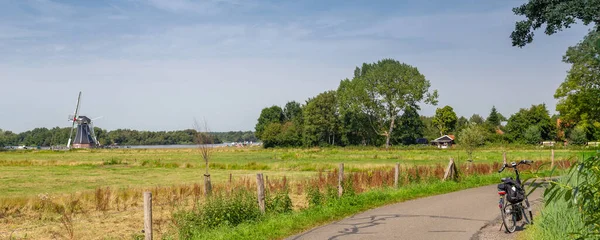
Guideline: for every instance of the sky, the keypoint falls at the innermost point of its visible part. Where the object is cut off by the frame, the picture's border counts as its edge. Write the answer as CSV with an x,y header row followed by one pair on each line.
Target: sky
x,y
158,64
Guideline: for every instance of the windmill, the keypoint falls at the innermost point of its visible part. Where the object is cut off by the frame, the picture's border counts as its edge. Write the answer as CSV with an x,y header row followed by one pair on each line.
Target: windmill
x,y
84,136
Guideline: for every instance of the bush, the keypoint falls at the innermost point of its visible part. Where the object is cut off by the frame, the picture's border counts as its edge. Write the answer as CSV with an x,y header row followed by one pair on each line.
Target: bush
x,y
578,136
219,210
533,135
279,203
315,198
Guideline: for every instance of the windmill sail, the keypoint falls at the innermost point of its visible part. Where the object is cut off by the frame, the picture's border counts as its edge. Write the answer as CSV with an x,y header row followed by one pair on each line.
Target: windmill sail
x,y
74,120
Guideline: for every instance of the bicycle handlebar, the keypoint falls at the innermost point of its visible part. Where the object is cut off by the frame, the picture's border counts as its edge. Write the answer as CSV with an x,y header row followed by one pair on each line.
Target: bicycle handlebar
x,y
514,165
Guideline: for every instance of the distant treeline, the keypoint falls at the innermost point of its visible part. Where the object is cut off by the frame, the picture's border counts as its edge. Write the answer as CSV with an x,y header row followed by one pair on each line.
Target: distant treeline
x,y
59,136
379,107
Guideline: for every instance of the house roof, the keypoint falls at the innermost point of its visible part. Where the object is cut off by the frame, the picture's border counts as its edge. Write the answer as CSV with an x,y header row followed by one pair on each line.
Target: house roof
x,y
445,138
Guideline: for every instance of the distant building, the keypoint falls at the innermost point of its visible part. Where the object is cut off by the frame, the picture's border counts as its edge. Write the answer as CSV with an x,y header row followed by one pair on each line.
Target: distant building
x,y
548,143
422,141
443,141
593,144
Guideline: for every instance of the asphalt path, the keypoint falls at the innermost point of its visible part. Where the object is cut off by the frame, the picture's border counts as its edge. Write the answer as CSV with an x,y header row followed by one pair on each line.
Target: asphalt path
x,y
456,215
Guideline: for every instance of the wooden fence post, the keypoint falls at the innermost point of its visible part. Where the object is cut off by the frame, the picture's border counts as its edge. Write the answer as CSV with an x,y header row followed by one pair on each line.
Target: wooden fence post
x,y
148,215
260,187
207,185
396,174
552,159
450,170
341,180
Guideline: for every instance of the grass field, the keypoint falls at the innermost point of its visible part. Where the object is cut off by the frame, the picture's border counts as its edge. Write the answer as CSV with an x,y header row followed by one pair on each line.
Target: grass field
x,y
28,176
25,173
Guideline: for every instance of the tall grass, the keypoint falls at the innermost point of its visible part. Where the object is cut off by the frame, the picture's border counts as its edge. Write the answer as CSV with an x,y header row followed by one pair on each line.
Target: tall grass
x,y
557,221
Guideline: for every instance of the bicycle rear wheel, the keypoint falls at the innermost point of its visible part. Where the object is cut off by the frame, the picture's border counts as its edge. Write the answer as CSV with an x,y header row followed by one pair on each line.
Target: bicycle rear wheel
x,y
528,206
509,217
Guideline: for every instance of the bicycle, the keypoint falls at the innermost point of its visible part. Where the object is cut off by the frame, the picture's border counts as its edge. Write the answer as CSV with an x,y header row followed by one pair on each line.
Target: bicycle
x,y
512,194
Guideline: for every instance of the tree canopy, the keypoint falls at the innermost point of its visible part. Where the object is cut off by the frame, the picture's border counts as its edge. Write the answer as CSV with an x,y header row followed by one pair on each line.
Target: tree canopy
x,y
445,119
524,120
273,114
383,89
321,120
578,96
556,15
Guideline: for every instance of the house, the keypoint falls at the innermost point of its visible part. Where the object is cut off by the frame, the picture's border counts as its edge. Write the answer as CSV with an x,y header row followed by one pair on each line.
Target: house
x,y
422,141
548,143
443,141
593,144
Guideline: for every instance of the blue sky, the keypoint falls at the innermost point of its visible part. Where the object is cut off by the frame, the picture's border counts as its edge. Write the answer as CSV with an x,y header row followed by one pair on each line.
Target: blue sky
x,y
157,64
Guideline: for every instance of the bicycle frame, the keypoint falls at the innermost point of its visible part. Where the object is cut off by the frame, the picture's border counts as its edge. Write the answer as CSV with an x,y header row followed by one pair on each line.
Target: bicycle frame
x,y
516,209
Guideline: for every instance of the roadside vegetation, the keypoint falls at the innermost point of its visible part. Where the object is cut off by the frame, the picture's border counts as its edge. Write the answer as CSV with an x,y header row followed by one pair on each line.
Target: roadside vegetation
x,y
572,205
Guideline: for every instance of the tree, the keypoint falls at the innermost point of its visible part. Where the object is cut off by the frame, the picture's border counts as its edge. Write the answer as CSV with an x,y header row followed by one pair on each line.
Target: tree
x,y
578,136
383,89
291,135
268,115
293,111
3,139
321,122
205,142
445,119
471,137
521,121
461,123
430,132
494,118
578,101
270,135
410,127
532,135
555,14
477,119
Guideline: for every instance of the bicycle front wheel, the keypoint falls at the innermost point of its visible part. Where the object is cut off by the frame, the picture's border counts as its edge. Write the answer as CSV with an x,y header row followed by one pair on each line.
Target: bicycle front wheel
x,y
509,218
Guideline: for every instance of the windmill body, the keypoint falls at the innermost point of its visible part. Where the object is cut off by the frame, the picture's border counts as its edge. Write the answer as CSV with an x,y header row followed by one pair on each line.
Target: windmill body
x,y
84,134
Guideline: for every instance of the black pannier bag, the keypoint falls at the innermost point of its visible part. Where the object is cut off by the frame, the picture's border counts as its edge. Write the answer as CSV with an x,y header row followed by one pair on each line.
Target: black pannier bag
x,y
514,194
501,187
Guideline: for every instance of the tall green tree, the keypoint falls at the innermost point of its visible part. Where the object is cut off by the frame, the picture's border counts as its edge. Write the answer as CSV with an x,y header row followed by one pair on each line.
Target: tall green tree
x,y
477,119
430,131
321,120
521,121
382,90
578,96
3,139
494,118
293,111
410,127
445,119
461,123
555,15
355,123
271,135
269,115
